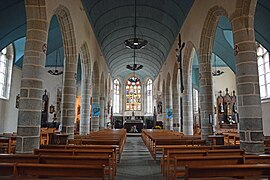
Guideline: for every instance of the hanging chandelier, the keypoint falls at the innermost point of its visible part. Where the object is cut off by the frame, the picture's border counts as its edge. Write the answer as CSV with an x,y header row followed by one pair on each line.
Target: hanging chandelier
x,y
134,67
135,43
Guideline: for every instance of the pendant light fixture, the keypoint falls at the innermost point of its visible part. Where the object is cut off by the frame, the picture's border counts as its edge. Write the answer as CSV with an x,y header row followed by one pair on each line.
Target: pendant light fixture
x,y
135,42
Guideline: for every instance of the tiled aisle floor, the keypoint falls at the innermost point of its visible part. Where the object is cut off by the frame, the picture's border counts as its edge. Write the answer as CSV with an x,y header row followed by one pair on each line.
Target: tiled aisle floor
x,y
136,162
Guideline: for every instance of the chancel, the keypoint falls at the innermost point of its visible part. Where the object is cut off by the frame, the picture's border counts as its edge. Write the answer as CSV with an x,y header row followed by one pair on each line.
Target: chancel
x,y
134,89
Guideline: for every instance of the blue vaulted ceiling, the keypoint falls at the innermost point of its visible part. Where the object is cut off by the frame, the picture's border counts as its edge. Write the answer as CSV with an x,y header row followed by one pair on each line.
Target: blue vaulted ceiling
x,y
158,22
113,23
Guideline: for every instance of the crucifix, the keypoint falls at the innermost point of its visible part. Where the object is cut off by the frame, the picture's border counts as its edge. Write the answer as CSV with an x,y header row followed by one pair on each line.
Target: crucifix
x,y
179,60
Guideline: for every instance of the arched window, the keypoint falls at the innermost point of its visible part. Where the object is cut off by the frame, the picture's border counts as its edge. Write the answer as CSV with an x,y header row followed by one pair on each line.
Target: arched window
x,y
133,95
6,63
149,100
264,71
195,95
116,96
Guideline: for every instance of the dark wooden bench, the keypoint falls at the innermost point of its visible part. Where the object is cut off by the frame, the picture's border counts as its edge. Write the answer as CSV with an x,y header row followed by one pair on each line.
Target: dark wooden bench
x,y
159,143
62,159
252,171
181,162
167,148
79,152
103,137
59,171
171,154
5,145
114,148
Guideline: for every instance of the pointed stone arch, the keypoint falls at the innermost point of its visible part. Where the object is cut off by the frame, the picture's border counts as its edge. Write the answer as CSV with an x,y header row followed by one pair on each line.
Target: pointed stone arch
x,y
205,52
70,69
85,89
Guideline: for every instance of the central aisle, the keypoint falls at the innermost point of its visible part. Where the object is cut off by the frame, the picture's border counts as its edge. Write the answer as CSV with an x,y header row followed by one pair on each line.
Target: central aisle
x,y
137,163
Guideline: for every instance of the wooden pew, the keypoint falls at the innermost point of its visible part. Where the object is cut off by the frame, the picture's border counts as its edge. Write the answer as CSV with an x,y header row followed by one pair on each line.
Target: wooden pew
x,y
155,139
252,171
62,159
5,145
217,160
114,148
166,148
79,152
59,171
257,159
6,170
169,165
104,137
159,143
181,162
19,158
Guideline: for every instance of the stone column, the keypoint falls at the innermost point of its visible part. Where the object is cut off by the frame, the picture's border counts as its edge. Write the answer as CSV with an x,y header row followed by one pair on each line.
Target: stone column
x,y
85,100
102,110
187,103
29,118
169,123
164,119
96,101
249,102
206,97
69,95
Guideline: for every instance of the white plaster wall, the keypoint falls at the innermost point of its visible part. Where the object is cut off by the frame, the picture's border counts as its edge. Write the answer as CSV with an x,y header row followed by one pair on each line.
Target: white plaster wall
x,y
9,114
220,83
266,117
51,83
226,80
8,109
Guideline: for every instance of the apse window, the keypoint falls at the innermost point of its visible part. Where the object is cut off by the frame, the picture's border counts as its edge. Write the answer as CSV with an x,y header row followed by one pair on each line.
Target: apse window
x,y
133,94
116,96
149,96
264,71
6,63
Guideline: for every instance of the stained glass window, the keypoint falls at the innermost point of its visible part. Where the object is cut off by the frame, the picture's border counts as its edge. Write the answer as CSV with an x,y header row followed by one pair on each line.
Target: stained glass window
x,y
133,95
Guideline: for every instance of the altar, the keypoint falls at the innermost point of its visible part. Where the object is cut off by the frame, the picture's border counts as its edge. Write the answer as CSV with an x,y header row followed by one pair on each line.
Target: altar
x,y
134,124
133,127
